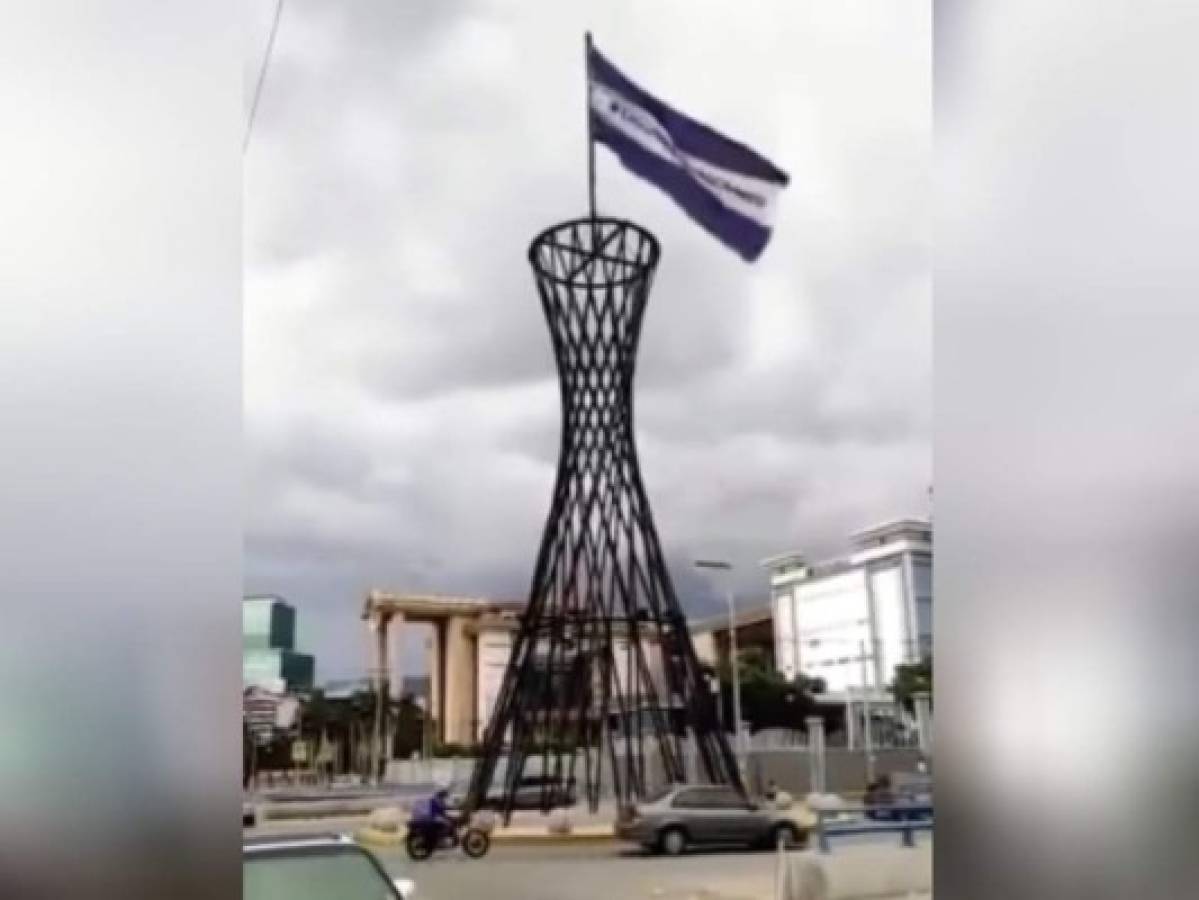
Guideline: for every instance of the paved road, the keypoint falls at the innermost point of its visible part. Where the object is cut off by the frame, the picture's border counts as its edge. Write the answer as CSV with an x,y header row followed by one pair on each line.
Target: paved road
x,y
578,872
350,824
588,872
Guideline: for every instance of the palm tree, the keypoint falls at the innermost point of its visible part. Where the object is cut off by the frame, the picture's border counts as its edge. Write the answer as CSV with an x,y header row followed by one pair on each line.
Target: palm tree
x,y
318,717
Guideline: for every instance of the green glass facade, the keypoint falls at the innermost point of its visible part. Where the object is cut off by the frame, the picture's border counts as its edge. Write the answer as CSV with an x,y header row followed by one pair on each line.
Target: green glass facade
x,y
267,622
268,646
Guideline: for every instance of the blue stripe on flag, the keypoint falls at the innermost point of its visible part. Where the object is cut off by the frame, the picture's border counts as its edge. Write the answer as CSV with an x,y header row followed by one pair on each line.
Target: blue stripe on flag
x,y
689,135
741,234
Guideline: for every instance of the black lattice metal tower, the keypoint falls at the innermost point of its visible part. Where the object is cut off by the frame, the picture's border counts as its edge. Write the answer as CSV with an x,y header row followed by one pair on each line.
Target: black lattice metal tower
x,y
603,684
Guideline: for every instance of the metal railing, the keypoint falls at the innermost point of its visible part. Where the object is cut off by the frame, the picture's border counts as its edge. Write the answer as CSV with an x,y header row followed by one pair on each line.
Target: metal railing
x,y
906,826
902,818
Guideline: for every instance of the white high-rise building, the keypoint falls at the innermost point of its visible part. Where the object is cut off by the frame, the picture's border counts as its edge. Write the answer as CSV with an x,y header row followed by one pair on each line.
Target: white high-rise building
x,y
850,621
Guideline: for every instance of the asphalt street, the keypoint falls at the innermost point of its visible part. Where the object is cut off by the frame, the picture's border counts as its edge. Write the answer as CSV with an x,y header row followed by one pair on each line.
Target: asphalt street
x,y
585,872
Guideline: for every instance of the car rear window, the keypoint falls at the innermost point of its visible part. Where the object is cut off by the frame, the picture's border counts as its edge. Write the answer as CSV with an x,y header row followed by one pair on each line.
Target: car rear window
x,y
313,875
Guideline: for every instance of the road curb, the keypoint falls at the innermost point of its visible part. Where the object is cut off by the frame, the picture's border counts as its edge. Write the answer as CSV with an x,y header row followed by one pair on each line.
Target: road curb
x,y
288,812
545,839
378,838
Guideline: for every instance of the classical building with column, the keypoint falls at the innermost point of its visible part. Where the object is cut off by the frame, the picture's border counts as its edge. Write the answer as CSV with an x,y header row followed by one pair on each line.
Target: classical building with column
x,y
848,621
472,639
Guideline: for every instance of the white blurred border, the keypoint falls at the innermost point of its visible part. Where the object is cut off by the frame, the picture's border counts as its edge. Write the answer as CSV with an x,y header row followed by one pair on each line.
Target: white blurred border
x,y
120,389
1067,420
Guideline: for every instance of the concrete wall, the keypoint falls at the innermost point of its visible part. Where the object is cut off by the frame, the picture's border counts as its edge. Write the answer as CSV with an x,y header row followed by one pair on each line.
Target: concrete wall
x,y
845,770
429,771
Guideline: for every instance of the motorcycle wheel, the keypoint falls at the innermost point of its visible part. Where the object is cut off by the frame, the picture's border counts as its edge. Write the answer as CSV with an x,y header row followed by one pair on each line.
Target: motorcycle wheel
x,y
418,845
475,843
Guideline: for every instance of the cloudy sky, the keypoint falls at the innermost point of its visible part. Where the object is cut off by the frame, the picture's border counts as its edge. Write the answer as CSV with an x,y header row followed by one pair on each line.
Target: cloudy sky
x,y
401,407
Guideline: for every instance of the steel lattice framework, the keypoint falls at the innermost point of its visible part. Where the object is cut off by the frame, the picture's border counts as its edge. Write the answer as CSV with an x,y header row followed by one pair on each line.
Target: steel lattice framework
x,y
603,676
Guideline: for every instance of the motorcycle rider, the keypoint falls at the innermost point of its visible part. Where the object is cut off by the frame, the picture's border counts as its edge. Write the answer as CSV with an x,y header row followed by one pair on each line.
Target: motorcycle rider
x,y
432,816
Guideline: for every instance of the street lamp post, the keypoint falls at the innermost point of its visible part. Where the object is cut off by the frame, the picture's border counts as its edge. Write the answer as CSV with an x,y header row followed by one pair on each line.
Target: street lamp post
x,y
714,685
733,659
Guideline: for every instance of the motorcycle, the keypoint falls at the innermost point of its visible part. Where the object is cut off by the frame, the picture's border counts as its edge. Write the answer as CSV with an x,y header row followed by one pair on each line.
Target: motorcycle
x,y
420,842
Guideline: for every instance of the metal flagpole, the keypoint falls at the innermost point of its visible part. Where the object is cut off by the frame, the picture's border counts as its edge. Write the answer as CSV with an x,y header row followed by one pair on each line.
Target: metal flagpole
x,y
590,136
266,61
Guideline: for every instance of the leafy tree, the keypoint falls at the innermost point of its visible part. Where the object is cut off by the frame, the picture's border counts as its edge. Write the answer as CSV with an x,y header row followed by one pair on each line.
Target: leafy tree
x,y
913,678
349,723
317,715
247,753
768,698
409,721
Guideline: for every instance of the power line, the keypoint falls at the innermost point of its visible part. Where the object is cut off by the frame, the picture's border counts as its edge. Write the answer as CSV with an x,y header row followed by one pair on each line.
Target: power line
x,y
266,59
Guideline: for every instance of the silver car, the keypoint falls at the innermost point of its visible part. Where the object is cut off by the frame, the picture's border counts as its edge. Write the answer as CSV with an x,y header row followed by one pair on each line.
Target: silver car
x,y
316,867
706,815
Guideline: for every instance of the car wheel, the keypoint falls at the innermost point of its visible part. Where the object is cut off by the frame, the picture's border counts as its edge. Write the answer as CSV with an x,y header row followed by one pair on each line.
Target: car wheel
x,y
673,841
787,835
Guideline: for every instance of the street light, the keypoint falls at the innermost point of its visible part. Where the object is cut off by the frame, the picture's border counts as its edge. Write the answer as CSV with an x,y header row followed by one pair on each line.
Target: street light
x,y
728,568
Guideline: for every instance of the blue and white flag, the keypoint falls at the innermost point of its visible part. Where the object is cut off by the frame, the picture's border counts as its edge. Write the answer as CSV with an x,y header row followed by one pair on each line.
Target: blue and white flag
x,y
723,185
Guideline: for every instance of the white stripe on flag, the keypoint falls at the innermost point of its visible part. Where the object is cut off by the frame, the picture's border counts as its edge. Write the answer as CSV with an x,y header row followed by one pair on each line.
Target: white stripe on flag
x,y
751,197
633,122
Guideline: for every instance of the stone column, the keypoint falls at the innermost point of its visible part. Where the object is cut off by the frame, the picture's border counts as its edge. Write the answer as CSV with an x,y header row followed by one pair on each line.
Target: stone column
x,y
382,670
436,692
459,682
395,643
394,675
815,754
922,701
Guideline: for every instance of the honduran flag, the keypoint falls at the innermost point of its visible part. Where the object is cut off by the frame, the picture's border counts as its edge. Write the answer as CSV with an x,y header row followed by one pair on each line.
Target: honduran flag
x,y
723,185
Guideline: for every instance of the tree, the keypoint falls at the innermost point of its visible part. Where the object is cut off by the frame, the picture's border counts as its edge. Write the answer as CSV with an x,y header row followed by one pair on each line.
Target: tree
x,y
317,714
247,753
409,721
768,698
911,679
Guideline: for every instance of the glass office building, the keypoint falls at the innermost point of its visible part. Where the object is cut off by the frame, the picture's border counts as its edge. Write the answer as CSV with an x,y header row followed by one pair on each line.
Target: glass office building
x,y
269,657
850,621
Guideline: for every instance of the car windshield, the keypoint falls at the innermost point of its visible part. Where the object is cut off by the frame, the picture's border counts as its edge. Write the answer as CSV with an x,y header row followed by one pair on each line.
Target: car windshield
x,y
658,795
313,876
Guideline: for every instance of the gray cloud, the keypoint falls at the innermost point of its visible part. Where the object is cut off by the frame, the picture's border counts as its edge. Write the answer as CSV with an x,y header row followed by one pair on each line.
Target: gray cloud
x,y
401,405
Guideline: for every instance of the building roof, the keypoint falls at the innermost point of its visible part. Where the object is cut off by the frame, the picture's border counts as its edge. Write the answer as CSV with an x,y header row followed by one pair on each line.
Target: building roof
x,y
868,544
415,605
264,598
741,617
893,530
791,557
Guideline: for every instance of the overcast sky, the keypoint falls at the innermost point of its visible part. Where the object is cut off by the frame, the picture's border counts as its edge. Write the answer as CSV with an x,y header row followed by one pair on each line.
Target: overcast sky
x,y
401,408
